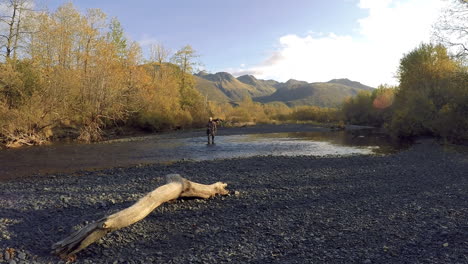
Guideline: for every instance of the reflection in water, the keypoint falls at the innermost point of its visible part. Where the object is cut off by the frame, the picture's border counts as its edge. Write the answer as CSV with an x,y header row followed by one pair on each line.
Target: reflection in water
x,y
153,149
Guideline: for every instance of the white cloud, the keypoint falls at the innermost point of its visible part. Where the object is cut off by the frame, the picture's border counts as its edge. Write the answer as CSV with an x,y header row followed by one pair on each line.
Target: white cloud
x,y
371,56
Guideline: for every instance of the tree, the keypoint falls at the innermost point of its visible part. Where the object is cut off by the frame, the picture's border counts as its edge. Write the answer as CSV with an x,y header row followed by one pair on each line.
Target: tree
x,y
158,56
117,37
432,96
11,85
185,59
13,20
451,29
427,70
190,99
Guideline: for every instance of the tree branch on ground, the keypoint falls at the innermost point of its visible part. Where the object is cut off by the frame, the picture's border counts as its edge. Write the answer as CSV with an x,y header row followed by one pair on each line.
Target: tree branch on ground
x,y
176,187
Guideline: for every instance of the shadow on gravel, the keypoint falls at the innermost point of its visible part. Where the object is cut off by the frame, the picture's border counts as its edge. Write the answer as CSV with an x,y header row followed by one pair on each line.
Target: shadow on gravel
x,y
39,229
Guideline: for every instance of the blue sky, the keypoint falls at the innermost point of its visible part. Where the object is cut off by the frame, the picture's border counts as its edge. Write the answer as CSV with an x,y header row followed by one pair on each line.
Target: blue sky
x,y
276,39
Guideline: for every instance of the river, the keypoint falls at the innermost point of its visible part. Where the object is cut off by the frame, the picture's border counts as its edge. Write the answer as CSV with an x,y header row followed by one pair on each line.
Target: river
x,y
70,157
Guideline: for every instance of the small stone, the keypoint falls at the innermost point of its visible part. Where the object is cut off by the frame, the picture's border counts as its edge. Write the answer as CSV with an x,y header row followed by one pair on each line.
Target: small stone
x,y
367,261
12,261
446,244
63,198
237,193
22,256
7,255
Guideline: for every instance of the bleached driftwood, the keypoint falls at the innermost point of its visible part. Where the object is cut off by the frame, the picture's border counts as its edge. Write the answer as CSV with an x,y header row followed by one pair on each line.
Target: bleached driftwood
x,y
175,187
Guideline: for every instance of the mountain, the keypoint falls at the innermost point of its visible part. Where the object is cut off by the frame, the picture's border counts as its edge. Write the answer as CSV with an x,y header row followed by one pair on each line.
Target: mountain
x,y
230,86
210,89
352,84
328,94
223,87
264,87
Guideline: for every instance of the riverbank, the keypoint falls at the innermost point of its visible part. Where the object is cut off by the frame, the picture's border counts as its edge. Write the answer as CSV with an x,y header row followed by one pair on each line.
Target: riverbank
x,y
408,207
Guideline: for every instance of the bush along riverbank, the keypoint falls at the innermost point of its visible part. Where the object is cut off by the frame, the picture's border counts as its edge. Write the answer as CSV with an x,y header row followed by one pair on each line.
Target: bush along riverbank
x,y
408,207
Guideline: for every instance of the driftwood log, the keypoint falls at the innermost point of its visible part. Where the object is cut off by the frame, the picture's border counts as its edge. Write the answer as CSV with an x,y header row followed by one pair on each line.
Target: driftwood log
x,y
175,187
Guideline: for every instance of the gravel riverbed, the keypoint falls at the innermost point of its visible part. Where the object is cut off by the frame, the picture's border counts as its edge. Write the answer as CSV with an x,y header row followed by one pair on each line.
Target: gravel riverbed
x,y
408,207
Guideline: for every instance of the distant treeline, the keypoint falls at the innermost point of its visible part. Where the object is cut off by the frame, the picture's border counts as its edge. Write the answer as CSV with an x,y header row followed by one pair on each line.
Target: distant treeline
x,y
432,98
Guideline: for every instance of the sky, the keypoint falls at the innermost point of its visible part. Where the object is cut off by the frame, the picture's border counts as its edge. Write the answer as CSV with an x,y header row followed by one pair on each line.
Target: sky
x,y
309,40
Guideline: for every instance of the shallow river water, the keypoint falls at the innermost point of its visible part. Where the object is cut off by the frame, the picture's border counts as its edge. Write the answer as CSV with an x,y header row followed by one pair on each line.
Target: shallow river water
x,y
16,163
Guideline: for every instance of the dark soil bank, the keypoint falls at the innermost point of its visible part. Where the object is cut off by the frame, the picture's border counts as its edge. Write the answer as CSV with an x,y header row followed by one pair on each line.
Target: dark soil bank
x,y
409,207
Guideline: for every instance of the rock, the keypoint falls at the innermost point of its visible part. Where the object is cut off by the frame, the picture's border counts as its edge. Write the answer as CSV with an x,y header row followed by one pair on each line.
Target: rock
x,y
22,256
7,255
367,261
64,198
12,261
446,244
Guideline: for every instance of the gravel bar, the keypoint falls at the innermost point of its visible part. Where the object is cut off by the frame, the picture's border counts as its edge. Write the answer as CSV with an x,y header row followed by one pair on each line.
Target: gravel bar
x,y
408,207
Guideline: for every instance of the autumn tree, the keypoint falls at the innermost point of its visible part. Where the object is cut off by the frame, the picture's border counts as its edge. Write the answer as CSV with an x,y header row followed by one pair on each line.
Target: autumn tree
x,y
91,71
185,59
373,108
451,29
158,57
117,38
190,99
432,95
12,25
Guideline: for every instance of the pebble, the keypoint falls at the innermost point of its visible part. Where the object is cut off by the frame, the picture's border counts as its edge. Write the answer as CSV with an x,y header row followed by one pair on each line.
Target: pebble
x,y
22,256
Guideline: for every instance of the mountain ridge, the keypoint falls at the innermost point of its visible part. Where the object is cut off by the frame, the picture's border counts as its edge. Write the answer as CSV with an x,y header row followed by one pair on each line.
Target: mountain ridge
x,y
224,87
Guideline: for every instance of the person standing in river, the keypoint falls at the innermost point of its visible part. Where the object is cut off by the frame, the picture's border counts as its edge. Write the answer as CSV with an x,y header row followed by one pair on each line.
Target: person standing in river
x,y
211,130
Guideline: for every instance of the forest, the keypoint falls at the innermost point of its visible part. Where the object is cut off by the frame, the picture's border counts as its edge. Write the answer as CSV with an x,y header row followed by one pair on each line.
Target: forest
x,y
67,74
